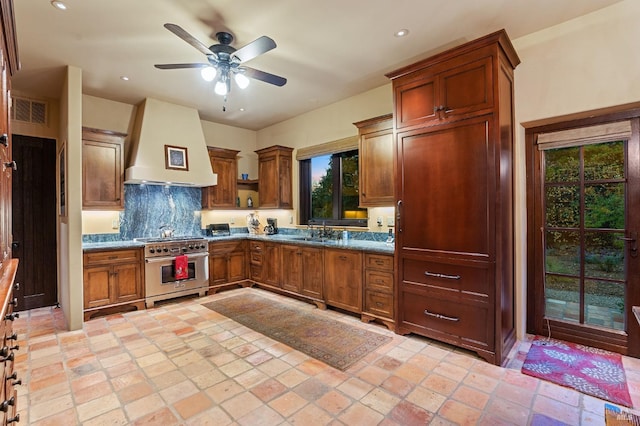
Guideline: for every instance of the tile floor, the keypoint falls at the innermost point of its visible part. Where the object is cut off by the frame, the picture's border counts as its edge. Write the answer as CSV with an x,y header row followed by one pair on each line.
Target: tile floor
x,y
181,363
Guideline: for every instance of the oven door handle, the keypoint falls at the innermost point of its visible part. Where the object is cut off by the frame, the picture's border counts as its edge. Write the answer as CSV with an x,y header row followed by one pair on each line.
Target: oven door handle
x,y
165,258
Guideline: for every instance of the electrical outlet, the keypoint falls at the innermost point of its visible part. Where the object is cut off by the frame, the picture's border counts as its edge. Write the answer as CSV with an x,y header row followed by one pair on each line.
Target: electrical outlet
x,y
232,220
290,219
115,224
390,221
379,220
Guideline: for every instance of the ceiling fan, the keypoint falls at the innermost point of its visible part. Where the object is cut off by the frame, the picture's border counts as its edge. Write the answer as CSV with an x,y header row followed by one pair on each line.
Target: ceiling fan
x,y
225,61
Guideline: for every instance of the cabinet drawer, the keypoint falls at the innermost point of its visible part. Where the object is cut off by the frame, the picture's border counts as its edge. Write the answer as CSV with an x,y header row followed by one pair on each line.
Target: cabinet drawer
x,y
376,261
255,258
225,248
383,280
113,256
378,303
449,320
470,280
255,272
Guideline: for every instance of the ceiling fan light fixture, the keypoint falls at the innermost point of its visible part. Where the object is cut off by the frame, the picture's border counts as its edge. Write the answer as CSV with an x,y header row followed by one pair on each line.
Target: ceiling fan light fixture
x,y
208,73
58,5
242,81
220,88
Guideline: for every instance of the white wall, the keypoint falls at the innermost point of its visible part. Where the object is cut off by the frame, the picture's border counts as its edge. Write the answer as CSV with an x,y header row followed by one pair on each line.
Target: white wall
x,y
70,275
587,63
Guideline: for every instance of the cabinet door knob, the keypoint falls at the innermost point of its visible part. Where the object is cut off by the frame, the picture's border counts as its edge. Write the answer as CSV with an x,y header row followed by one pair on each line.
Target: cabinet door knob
x,y
4,139
4,406
15,419
11,165
11,317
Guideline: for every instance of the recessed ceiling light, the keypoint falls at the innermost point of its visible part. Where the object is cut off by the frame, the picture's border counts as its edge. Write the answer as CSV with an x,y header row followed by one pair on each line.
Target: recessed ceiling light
x,y
58,5
124,78
241,109
401,33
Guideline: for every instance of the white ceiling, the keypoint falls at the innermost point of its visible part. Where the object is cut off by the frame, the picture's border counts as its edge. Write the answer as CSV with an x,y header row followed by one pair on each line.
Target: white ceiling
x,y
328,50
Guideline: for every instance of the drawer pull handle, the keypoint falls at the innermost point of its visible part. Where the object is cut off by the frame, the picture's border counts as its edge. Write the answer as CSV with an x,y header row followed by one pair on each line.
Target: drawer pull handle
x,y
379,304
439,316
379,281
436,275
379,262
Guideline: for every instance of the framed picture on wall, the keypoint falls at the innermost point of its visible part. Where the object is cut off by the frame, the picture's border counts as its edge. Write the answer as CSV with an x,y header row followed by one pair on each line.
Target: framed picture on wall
x,y
63,181
176,157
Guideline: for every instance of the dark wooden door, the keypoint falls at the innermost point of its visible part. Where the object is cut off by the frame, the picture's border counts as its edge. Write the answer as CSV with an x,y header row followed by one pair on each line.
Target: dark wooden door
x,y
34,221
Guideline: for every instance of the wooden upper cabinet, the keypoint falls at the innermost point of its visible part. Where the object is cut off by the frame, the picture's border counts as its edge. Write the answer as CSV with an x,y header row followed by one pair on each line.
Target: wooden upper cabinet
x,y
448,90
376,161
102,169
275,169
224,164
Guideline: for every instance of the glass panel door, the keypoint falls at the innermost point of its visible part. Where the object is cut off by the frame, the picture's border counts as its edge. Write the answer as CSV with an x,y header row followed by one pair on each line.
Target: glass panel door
x,y
585,191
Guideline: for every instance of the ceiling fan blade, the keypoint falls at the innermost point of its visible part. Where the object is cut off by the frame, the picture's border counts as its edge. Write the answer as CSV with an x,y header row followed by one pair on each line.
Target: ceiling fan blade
x,y
179,66
264,76
256,48
177,30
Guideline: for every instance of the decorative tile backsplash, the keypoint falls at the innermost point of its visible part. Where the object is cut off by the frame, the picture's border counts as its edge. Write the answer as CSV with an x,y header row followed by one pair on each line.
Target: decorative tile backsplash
x,y
148,207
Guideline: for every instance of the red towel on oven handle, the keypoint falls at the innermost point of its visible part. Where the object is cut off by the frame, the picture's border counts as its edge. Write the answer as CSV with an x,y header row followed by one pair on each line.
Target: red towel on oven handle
x,y
181,267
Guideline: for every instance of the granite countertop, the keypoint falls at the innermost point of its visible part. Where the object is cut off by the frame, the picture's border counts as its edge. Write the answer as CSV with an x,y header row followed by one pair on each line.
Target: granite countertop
x,y
351,244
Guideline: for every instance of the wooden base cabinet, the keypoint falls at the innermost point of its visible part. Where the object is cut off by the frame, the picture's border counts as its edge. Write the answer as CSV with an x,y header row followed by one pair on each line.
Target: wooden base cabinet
x,y
8,393
113,280
227,264
303,271
454,241
378,289
264,263
343,279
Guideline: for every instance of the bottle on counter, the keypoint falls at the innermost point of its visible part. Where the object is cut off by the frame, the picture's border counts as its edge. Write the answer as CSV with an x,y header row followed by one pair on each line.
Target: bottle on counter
x,y
390,238
249,202
237,201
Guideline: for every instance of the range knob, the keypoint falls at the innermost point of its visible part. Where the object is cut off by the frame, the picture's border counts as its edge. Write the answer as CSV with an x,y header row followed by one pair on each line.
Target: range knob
x,y
165,249
184,249
191,246
152,250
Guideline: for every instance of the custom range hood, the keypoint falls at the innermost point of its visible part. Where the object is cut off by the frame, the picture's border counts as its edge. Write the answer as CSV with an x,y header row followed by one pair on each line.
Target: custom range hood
x,y
168,147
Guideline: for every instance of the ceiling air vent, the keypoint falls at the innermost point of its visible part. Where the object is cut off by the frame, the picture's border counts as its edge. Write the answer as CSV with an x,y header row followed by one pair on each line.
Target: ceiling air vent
x,y
29,111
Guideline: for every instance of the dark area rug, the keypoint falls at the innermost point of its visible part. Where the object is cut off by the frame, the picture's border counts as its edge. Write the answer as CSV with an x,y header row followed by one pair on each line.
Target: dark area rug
x,y
588,370
333,342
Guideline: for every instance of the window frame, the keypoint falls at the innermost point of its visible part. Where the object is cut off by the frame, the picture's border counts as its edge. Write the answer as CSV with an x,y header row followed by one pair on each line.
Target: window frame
x,y
306,193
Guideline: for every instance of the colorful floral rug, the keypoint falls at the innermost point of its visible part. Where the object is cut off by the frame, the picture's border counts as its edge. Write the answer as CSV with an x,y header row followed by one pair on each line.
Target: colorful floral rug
x,y
588,370
336,343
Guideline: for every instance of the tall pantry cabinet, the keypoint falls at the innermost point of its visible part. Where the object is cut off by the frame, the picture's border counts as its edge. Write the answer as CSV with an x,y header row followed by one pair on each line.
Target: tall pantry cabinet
x,y
453,117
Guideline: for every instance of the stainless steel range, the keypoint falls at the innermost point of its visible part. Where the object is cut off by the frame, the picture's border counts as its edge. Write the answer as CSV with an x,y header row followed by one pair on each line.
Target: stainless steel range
x,y
160,256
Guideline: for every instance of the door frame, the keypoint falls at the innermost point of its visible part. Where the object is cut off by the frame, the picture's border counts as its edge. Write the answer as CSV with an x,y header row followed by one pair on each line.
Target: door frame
x,y
627,343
